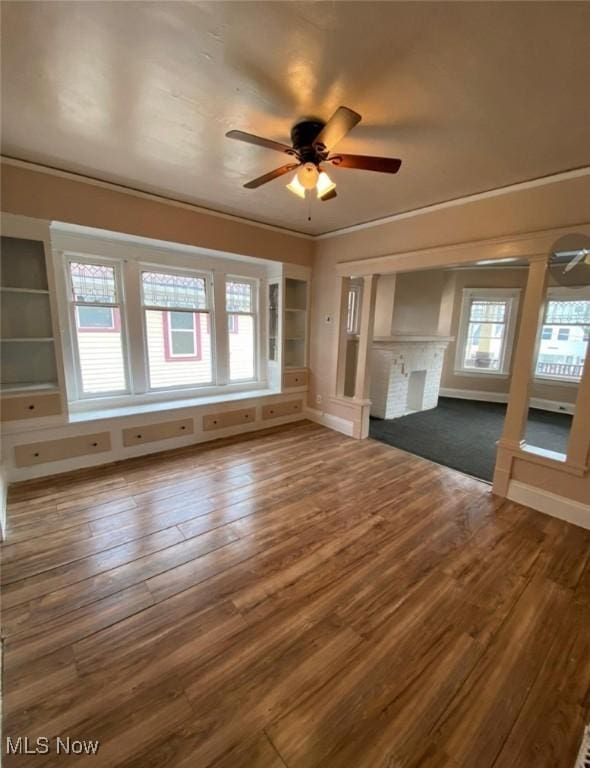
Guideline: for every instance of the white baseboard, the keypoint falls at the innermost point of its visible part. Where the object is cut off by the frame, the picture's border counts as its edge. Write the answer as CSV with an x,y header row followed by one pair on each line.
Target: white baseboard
x,y
328,420
502,397
550,503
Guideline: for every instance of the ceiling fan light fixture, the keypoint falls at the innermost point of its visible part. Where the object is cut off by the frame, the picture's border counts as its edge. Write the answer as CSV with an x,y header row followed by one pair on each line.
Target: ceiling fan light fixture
x,y
308,174
325,185
296,187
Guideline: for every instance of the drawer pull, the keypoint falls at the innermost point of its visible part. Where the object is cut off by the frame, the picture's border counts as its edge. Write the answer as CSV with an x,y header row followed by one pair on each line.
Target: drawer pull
x,y
139,437
36,455
215,421
31,407
183,427
95,445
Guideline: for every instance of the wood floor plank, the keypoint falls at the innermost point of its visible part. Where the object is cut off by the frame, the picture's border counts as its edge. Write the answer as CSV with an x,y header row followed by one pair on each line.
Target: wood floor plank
x,y
293,598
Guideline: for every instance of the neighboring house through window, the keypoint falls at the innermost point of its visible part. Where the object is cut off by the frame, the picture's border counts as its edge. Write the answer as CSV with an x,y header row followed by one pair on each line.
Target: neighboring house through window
x,y
564,337
97,319
182,336
94,293
486,331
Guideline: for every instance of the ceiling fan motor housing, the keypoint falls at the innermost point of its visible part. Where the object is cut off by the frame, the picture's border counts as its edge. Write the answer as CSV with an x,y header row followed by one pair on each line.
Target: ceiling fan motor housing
x,y
302,137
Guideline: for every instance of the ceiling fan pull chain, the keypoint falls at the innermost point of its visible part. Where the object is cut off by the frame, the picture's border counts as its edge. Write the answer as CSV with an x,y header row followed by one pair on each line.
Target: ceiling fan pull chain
x,y
309,196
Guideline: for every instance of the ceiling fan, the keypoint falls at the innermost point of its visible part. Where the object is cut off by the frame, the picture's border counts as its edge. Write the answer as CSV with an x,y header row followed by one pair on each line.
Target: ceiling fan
x,y
312,144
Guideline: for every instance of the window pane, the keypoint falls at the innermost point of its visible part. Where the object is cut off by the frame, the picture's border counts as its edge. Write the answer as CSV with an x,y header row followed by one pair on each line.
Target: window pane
x,y
95,317
568,312
490,311
178,358
101,355
93,283
183,343
181,291
238,297
241,347
182,320
484,345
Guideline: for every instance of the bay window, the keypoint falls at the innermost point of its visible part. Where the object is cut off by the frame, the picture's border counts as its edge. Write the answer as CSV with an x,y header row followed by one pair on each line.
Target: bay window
x,y
564,334
486,331
148,324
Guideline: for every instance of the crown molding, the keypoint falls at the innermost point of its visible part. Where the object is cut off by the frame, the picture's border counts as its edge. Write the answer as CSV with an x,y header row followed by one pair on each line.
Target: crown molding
x,y
540,181
51,171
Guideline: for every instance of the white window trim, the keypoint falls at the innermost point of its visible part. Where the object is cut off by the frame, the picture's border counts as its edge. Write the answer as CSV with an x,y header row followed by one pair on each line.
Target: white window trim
x,y
256,324
209,290
512,296
131,260
572,293
75,377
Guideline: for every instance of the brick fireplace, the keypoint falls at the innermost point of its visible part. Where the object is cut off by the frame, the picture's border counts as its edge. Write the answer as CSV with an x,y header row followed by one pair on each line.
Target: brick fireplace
x,y
405,374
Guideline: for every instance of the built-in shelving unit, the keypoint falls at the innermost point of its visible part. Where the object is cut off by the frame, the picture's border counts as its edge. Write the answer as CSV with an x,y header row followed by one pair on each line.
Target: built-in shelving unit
x,y
26,342
295,322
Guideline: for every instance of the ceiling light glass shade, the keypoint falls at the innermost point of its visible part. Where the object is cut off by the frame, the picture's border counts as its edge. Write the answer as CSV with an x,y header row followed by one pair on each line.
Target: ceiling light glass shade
x,y
308,175
296,187
325,184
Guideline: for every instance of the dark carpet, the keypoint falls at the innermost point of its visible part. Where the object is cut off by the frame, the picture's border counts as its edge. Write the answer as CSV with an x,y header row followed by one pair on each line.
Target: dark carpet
x,y
462,434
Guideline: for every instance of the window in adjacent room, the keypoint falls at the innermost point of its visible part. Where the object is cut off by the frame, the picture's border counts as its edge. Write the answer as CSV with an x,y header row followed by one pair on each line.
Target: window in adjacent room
x,y
353,310
565,334
95,295
240,305
176,314
486,331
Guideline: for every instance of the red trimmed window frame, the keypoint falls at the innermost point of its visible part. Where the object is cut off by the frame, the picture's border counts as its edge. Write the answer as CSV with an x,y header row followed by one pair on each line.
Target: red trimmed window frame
x,y
114,328
169,356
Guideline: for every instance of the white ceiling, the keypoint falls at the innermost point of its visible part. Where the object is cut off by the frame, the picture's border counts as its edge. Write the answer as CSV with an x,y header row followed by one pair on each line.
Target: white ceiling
x,y
472,96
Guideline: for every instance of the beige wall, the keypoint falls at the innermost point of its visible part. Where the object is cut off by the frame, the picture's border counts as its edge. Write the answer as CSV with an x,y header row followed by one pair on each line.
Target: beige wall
x,y
416,306
42,195
497,277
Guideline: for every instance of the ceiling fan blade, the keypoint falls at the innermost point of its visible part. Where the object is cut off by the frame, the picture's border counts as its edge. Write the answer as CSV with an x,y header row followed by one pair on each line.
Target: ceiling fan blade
x,y
341,122
367,163
271,175
329,195
250,138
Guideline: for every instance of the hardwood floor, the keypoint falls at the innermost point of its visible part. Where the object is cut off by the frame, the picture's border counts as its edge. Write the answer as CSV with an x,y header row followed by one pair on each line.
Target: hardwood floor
x,y
292,599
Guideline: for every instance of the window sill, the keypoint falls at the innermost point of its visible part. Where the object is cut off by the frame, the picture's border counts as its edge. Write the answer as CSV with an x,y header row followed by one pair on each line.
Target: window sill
x,y
480,372
134,409
557,380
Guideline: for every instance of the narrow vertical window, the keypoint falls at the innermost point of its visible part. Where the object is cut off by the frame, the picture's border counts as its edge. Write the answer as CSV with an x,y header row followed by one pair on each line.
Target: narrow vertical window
x,y
240,305
96,305
176,313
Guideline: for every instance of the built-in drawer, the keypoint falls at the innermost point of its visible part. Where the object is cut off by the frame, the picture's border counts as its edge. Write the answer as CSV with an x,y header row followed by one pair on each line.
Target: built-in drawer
x,y
150,433
58,450
276,410
229,418
30,406
294,379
